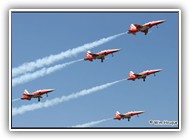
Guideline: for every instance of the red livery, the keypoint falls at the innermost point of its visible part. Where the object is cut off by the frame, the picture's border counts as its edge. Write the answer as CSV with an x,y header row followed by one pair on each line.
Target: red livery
x,y
128,115
101,55
142,75
134,28
37,94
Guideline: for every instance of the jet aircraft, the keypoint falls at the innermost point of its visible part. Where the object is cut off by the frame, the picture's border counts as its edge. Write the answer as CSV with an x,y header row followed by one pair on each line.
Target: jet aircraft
x,y
134,28
37,94
128,115
100,55
142,75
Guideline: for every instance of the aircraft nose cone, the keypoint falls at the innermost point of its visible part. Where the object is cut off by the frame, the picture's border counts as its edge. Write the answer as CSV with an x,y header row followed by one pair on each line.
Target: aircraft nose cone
x,y
161,21
117,50
159,69
140,112
50,90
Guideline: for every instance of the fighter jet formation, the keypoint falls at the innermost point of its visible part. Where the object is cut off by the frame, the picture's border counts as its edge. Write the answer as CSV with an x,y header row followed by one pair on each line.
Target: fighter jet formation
x,y
134,28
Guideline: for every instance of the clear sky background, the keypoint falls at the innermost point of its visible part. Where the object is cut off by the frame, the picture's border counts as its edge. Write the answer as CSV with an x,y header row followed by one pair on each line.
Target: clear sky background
x,y
37,35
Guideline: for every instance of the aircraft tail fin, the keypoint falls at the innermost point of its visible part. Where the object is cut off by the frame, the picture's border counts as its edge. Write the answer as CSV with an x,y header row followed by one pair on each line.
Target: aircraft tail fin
x,y
88,52
131,73
132,25
117,113
26,92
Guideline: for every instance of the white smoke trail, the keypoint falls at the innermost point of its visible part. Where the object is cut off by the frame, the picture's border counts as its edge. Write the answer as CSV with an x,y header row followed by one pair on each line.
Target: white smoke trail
x,y
30,66
14,100
89,124
40,73
55,101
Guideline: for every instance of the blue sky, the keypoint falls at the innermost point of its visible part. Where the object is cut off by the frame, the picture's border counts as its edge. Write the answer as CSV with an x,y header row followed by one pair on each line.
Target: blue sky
x,y
37,35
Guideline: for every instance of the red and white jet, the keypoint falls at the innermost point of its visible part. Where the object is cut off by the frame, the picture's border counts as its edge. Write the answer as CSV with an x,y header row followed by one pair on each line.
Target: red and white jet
x,y
142,75
37,94
128,115
134,28
100,55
